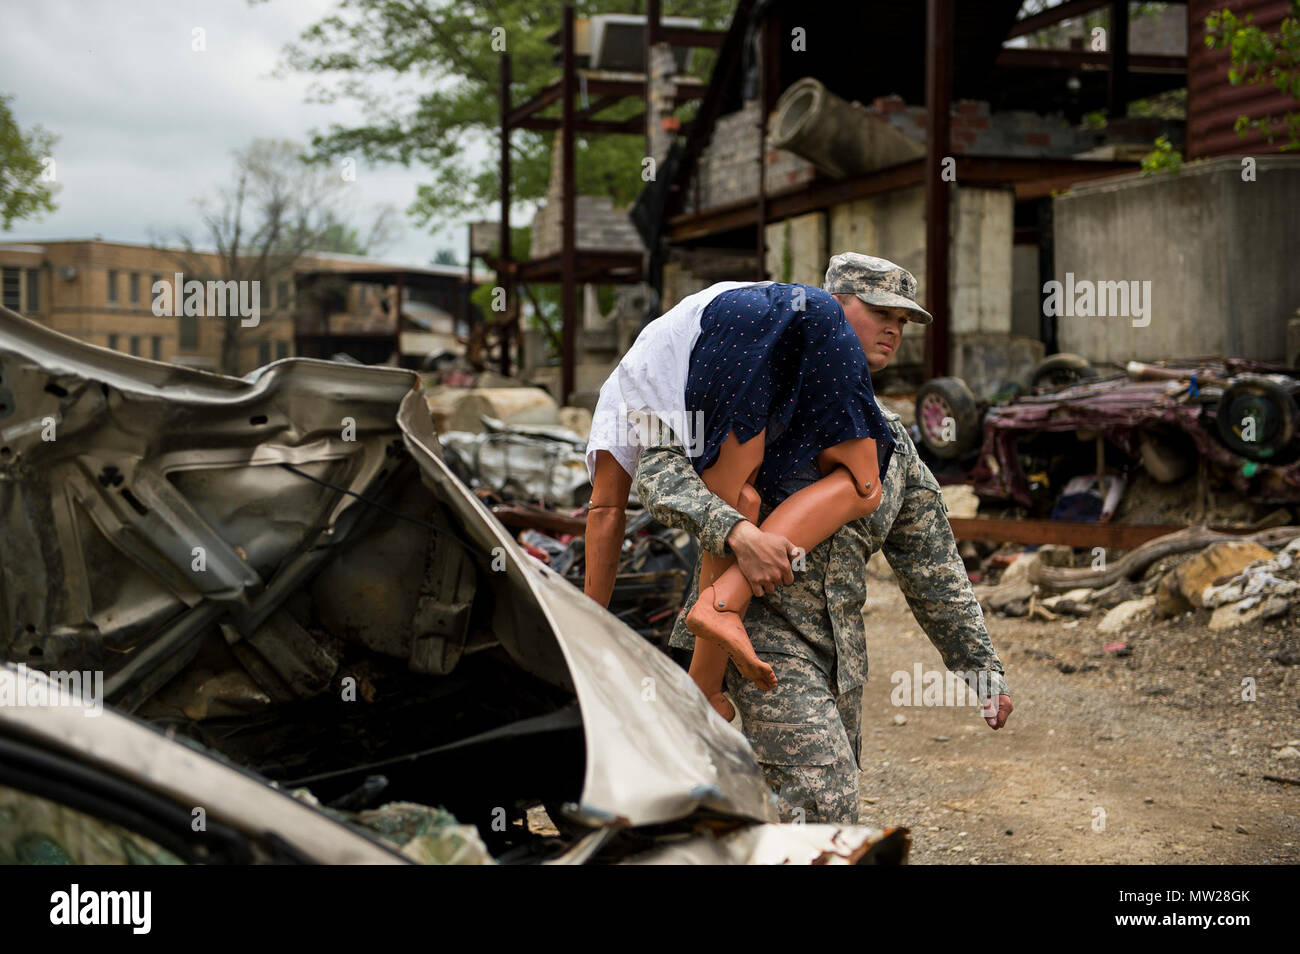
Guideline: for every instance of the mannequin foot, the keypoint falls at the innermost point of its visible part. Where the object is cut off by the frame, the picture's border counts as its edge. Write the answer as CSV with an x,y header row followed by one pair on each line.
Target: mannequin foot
x,y
726,630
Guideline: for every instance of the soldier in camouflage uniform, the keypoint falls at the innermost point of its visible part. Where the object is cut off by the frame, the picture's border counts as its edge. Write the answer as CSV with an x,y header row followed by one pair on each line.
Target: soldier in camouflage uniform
x,y
807,731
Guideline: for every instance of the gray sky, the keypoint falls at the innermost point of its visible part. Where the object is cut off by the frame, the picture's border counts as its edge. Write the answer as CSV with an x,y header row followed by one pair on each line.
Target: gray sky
x,y
146,124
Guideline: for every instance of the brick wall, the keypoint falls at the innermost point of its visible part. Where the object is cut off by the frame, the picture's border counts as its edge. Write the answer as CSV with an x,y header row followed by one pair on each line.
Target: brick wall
x,y
977,132
74,279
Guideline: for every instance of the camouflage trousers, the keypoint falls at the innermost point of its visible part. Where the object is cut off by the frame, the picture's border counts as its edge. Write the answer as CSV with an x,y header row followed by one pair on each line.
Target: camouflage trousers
x,y
806,737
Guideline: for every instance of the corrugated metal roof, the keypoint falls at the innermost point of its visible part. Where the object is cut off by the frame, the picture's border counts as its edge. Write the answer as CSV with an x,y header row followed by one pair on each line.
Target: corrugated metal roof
x,y
1213,104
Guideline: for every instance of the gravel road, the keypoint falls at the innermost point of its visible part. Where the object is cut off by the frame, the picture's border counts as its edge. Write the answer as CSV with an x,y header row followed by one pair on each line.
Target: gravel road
x,y
1146,758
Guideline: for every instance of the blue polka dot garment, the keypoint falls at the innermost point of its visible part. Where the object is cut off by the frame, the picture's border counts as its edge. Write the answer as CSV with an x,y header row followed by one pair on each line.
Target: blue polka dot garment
x,y
781,357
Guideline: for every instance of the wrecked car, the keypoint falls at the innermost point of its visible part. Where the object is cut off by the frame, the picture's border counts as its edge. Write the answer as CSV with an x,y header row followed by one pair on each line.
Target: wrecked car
x,y
1236,418
282,570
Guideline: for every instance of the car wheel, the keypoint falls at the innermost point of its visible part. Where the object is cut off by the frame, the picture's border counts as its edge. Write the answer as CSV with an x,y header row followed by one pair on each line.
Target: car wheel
x,y
1061,370
1256,417
947,417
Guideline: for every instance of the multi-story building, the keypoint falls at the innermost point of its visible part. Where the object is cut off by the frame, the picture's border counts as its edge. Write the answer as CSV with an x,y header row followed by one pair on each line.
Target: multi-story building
x,y
109,294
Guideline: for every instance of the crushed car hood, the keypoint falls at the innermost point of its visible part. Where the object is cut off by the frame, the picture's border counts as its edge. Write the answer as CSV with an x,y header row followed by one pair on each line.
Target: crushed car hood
x,y
148,462
656,750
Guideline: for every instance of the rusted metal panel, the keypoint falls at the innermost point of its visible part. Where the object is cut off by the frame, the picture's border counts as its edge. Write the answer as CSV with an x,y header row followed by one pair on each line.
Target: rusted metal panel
x,y
529,518
1213,104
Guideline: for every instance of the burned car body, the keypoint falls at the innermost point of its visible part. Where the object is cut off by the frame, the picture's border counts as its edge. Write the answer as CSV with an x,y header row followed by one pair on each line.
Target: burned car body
x,y
284,568
1238,417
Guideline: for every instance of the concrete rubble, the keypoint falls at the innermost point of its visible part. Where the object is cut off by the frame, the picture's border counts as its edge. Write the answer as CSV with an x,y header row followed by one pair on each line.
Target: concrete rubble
x,y
1220,583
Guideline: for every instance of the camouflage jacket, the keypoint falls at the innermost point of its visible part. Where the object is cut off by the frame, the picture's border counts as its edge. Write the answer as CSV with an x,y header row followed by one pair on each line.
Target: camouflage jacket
x,y
819,615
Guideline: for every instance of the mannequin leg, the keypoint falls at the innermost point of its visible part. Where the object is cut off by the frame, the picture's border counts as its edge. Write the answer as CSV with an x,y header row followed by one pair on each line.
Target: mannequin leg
x,y
606,522
709,661
736,466
849,489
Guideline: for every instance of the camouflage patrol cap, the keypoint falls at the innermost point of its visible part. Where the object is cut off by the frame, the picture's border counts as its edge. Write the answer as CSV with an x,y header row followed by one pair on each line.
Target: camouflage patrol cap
x,y
876,281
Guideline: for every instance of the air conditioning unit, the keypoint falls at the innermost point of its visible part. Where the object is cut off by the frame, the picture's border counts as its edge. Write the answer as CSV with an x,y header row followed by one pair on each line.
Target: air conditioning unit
x,y
67,272
618,41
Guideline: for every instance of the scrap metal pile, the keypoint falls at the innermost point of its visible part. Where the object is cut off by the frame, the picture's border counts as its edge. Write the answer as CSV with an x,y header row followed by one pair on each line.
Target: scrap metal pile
x,y
1233,422
534,478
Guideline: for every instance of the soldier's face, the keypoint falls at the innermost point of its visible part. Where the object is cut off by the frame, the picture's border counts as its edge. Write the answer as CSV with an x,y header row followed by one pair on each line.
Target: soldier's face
x,y
879,329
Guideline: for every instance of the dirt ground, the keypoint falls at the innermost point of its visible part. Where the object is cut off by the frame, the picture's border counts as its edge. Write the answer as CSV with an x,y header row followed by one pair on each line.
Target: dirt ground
x,y
1148,758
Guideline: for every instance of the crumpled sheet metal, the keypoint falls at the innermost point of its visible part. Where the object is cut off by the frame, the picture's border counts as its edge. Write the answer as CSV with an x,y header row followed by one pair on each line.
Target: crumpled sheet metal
x,y
656,750
522,465
152,465
1119,409
120,743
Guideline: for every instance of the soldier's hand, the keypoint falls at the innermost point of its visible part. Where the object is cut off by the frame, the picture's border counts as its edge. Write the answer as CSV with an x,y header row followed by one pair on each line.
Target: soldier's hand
x,y
1004,712
764,558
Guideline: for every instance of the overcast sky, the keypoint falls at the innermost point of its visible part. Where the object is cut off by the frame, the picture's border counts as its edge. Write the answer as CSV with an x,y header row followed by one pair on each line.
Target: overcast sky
x,y
146,124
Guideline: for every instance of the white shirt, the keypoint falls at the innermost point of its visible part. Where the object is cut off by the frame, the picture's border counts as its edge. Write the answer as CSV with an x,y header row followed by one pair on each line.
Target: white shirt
x,y
651,379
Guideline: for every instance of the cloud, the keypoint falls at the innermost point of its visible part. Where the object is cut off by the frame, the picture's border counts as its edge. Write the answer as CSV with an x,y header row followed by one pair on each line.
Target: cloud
x,y
146,123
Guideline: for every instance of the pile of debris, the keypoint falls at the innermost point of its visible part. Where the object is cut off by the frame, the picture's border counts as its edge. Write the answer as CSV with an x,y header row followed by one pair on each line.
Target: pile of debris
x,y
524,456
1234,580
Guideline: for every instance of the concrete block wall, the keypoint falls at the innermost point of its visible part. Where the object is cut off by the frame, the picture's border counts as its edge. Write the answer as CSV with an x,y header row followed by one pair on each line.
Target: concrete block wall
x,y
1218,250
985,361
663,68
727,169
980,283
802,241
892,225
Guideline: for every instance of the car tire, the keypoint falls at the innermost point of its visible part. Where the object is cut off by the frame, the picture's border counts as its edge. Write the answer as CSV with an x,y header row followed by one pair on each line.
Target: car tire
x,y
1060,370
1270,405
939,402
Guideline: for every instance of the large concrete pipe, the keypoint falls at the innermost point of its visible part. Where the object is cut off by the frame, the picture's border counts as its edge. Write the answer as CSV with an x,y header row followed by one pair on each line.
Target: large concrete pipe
x,y
838,137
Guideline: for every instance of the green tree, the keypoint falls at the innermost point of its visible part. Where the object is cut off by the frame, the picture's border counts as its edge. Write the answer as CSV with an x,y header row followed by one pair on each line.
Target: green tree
x,y
338,236
446,119
275,209
1260,58
25,190
1059,34
1163,158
